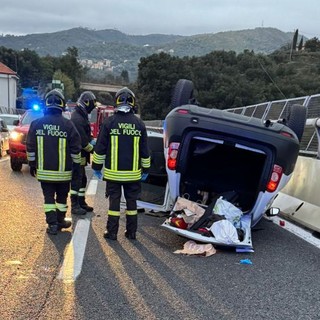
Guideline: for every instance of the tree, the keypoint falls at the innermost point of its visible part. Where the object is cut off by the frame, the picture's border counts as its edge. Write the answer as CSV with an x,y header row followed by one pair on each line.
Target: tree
x,y
300,46
69,89
125,76
312,45
69,65
104,98
294,43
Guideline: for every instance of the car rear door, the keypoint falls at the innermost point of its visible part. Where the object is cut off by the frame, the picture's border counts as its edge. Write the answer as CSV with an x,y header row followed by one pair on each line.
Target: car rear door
x,y
154,190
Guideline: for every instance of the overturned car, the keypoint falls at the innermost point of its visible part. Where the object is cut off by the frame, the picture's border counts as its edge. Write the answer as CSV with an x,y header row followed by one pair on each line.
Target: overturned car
x,y
205,155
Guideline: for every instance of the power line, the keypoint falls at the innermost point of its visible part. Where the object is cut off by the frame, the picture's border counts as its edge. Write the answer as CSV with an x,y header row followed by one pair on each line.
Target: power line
x,y
271,78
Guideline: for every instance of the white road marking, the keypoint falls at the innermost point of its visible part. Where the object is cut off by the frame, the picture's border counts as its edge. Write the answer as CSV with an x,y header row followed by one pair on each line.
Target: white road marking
x,y
298,231
74,253
92,187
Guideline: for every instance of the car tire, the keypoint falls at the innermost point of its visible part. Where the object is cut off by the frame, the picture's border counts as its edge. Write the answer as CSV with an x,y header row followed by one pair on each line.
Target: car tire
x,y
296,119
15,165
182,93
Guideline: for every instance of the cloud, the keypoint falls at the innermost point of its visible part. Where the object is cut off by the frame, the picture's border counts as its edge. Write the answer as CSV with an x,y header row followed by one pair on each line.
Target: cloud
x,y
185,17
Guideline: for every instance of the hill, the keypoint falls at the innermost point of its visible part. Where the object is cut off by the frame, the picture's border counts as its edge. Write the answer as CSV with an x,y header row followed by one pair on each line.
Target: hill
x,y
264,40
124,51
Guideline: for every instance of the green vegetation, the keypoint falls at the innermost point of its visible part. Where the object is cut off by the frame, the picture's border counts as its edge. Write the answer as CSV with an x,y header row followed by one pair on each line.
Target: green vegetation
x,y
35,71
225,79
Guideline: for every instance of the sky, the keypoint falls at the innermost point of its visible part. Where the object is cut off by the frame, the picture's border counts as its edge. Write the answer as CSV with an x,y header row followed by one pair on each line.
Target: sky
x,y
142,17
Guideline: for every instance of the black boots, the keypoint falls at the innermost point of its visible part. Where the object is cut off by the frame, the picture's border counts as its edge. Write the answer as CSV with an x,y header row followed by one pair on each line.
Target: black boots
x,y
51,219
112,228
84,205
110,236
75,206
62,223
130,236
56,221
52,229
131,226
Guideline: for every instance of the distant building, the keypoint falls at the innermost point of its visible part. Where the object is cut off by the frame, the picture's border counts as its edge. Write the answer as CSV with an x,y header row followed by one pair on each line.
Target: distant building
x,y
8,87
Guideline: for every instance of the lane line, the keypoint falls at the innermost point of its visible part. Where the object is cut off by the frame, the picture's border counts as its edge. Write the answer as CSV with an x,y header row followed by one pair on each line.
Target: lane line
x,y
92,187
74,253
298,231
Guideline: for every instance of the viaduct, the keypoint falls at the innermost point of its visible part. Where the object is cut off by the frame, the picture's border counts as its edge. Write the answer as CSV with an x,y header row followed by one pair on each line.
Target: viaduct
x,y
111,88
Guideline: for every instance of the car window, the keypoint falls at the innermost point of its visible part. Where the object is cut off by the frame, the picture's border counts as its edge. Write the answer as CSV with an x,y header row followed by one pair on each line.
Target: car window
x,y
9,119
30,116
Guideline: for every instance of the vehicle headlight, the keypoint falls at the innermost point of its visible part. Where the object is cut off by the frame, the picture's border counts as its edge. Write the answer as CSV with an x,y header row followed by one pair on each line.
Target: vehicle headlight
x,y
15,136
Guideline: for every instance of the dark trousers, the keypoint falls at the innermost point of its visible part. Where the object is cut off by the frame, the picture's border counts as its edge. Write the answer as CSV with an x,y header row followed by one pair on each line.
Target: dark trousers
x,y
131,192
55,192
55,199
81,182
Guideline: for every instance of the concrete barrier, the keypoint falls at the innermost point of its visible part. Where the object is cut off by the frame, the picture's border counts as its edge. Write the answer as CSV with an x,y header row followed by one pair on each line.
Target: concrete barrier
x,y
300,199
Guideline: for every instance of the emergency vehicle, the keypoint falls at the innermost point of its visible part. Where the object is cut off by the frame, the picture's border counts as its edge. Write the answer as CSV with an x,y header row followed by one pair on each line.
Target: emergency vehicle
x,y
18,137
97,116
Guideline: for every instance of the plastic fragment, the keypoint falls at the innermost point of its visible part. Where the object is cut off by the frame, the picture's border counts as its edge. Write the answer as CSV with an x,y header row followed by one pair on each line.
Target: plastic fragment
x,y
245,261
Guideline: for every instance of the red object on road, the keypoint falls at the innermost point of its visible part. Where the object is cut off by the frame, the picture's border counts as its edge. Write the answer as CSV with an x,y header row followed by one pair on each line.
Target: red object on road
x,y
282,223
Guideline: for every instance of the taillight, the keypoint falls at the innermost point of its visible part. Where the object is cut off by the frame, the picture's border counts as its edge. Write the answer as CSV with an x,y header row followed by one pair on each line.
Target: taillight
x,y
172,155
182,111
286,134
275,178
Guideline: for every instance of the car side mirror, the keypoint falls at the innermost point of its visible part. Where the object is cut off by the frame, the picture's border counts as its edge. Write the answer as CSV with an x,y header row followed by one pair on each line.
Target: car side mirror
x,y
273,211
15,122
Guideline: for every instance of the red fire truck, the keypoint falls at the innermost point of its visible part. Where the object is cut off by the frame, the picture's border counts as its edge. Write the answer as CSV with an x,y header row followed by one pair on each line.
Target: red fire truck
x,y
97,116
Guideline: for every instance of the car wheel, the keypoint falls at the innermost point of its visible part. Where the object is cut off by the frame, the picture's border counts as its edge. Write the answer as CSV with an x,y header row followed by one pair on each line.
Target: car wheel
x,y
296,119
15,165
182,93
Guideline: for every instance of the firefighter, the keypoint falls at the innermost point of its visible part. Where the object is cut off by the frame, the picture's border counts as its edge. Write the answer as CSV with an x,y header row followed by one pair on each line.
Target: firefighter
x,y
85,104
123,150
53,151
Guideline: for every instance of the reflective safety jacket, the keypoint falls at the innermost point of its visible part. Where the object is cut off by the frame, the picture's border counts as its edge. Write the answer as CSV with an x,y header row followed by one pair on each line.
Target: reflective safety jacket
x,y
122,148
53,145
80,119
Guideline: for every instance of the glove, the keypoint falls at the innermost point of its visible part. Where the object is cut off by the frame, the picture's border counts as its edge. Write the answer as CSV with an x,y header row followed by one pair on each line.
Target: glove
x,y
145,174
144,177
98,174
33,171
93,142
76,171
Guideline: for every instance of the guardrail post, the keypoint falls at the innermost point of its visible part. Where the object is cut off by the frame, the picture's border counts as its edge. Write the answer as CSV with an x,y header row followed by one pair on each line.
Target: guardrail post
x,y
317,128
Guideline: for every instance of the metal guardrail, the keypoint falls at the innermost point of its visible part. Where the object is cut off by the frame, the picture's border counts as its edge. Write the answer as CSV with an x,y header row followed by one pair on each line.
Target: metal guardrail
x,y
276,110
9,110
272,110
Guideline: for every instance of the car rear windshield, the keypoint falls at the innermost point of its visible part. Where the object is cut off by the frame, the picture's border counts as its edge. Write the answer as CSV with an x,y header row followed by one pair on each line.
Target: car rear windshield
x,y
30,116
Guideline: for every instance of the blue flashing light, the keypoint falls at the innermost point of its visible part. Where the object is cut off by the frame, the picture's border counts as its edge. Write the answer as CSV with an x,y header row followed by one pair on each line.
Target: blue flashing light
x,y
35,107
